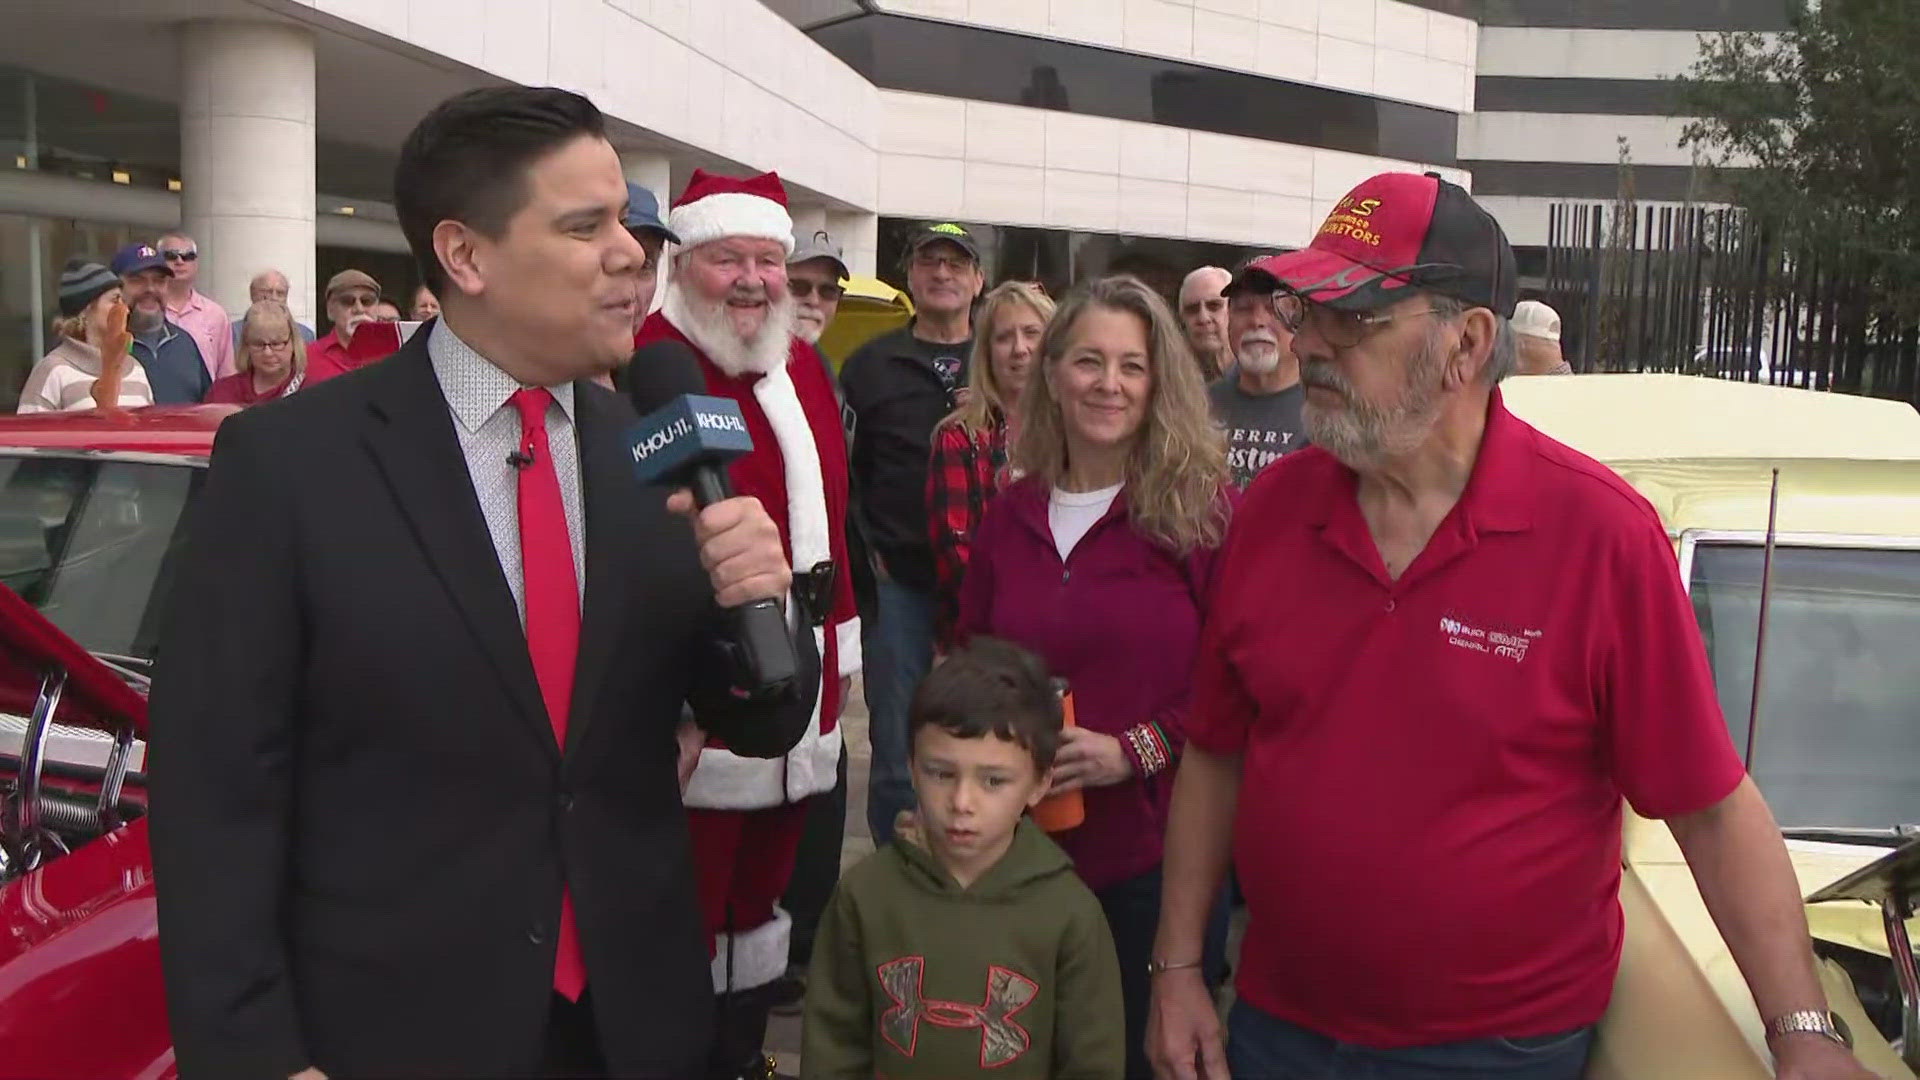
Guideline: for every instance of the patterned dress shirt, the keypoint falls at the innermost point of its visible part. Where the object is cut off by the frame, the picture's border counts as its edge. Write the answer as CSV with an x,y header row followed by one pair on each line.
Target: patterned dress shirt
x,y
488,427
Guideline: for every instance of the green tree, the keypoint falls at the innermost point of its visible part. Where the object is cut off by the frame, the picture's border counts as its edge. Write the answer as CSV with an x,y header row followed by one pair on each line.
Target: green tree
x,y
1816,132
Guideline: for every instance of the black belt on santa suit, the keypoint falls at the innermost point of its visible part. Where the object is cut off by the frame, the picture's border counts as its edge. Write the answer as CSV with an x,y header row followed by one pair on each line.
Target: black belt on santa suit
x,y
813,591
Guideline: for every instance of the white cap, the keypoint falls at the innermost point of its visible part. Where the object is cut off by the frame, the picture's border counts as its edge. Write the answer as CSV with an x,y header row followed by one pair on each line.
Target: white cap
x,y
1535,319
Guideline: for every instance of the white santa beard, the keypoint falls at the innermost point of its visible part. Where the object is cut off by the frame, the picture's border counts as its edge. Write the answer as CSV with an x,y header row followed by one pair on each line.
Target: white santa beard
x,y
711,331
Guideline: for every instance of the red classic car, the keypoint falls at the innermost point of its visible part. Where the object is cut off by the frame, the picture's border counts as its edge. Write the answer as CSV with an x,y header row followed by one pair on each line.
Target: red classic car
x,y
91,508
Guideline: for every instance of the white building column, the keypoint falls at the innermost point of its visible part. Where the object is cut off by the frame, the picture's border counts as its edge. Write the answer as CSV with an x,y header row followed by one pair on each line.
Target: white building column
x,y
808,220
858,233
247,156
651,171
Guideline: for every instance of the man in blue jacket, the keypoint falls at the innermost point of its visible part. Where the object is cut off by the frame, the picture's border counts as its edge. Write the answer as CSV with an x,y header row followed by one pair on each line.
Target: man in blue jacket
x,y
168,353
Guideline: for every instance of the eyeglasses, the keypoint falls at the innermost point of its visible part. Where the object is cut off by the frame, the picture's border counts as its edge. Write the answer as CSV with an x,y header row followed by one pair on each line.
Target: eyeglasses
x,y
269,346
1340,329
179,256
952,264
803,289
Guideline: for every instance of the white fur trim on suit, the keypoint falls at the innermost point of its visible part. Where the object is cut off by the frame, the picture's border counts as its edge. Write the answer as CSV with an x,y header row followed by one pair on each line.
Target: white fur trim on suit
x,y
847,634
731,213
724,780
759,955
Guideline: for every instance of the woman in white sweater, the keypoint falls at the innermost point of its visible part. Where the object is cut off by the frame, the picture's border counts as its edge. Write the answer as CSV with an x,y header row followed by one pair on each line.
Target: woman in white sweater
x,y
91,314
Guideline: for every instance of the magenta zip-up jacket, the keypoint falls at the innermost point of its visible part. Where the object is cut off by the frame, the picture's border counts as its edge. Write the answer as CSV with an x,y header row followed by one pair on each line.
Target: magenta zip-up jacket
x,y
1120,621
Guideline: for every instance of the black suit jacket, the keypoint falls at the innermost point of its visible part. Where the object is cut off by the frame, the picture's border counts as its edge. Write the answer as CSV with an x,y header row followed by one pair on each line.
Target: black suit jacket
x,y
361,823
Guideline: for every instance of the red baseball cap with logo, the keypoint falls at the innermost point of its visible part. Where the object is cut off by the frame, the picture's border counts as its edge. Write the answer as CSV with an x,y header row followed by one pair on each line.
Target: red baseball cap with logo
x,y
1394,233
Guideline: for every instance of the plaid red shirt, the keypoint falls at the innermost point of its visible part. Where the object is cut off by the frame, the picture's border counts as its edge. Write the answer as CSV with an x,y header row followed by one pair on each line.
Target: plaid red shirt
x,y
965,473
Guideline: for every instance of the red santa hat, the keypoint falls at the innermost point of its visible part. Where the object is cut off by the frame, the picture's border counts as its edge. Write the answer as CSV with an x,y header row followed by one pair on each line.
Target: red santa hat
x,y
714,207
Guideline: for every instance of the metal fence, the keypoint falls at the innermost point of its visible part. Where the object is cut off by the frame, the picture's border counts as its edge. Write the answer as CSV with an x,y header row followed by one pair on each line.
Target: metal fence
x,y
1708,291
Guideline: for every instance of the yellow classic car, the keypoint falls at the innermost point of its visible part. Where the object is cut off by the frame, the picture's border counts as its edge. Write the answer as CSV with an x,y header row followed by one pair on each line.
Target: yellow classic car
x,y
1835,738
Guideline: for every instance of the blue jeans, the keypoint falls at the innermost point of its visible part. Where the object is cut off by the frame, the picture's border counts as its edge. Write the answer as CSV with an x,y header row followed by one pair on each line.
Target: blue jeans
x,y
1262,1047
897,648
1132,908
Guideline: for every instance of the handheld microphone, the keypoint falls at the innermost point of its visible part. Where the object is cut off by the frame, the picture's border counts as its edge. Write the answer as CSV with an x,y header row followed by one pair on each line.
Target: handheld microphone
x,y
686,438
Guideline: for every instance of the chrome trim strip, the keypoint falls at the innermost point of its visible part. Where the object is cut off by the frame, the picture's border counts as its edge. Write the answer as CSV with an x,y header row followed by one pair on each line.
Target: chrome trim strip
x,y
1693,538
138,457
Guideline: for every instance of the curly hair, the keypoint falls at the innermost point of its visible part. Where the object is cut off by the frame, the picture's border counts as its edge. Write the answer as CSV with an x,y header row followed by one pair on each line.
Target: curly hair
x,y
1176,472
988,399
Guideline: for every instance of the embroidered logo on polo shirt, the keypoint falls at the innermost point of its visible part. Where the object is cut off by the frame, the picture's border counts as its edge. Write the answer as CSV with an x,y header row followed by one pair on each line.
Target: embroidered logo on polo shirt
x,y
1507,643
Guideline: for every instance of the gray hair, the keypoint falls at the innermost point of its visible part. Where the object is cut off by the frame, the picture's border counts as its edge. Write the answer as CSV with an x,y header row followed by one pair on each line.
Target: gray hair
x,y
1504,360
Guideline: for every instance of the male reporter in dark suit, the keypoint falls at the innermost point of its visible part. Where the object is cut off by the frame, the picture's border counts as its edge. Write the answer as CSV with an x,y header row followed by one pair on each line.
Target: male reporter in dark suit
x,y
414,801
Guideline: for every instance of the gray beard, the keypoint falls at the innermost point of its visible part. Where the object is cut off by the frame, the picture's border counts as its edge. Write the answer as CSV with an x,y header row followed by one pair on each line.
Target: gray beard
x,y
1364,434
144,324
707,326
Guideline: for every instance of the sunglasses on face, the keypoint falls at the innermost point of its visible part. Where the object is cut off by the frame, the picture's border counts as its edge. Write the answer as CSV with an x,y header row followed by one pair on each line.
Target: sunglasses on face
x,y
180,256
804,290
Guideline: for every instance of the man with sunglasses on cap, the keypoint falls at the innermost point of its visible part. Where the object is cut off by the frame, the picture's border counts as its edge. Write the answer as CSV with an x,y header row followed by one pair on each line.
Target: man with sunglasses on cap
x,y
1452,742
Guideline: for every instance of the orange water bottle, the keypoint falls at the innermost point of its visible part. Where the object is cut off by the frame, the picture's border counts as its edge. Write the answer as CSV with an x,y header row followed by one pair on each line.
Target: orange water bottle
x,y
1067,810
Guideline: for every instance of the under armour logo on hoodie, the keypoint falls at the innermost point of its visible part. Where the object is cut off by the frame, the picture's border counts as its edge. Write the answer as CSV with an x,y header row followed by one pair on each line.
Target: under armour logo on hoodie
x,y
1001,1040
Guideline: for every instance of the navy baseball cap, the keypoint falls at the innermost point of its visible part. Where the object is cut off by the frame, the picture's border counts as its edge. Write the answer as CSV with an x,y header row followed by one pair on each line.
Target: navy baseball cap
x,y
135,258
643,212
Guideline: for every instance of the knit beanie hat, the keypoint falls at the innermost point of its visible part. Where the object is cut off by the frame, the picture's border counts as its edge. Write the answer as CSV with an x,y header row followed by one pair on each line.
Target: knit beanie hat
x,y
81,283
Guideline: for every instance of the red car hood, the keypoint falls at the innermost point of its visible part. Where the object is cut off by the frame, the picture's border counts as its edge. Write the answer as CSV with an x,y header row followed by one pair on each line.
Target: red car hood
x,y
30,647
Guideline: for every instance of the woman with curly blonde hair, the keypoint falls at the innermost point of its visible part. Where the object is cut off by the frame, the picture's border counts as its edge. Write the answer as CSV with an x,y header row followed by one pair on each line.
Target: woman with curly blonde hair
x,y
969,463
1100,558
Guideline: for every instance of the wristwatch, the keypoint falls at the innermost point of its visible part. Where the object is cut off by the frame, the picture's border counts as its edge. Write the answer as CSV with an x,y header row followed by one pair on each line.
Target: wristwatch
x,y
1813,1023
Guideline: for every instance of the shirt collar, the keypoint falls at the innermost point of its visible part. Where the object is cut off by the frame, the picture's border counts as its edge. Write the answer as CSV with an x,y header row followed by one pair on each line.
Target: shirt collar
x,y
474,386
194,302
1499,492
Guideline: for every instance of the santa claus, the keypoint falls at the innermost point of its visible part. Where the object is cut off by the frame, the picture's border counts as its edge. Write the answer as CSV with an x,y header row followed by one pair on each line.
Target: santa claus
x,y
727,298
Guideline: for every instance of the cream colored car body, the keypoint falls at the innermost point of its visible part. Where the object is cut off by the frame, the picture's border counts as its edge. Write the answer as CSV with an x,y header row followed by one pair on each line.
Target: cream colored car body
x,y
1702,451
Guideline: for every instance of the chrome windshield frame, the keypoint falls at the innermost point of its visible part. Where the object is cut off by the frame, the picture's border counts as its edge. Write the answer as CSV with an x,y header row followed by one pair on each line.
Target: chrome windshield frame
x,y
1691,539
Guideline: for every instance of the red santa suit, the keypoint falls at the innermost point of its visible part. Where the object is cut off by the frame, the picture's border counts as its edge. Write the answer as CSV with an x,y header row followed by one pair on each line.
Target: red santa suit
x,y
747,814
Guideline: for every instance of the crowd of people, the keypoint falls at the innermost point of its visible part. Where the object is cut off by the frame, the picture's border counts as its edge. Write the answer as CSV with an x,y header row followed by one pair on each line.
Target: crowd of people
x,y
1130,584
137,331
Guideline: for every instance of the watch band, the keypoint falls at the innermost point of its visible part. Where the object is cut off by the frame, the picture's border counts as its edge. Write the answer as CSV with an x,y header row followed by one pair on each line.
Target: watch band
x,y
1808,1022
1157,967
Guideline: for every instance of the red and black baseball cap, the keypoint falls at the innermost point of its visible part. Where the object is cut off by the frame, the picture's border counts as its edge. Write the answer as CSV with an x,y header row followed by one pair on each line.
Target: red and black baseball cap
x,y
1396,232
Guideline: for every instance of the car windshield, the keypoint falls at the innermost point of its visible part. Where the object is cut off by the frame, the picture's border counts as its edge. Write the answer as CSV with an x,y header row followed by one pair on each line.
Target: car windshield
x,y
1839,721
88,541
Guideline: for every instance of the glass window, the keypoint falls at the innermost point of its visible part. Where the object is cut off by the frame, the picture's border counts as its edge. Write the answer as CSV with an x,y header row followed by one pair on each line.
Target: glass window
x,y
1839,721
903,53
89,542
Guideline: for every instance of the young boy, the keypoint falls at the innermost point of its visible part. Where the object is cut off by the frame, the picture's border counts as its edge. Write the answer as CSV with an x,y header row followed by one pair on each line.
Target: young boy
x,y
975,950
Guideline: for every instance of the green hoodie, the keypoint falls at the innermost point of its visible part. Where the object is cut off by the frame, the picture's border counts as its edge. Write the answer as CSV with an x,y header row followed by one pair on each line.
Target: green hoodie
x,y
915,978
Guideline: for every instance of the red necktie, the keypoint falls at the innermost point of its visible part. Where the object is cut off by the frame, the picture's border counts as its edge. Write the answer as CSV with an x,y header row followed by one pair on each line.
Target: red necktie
x,y
553,619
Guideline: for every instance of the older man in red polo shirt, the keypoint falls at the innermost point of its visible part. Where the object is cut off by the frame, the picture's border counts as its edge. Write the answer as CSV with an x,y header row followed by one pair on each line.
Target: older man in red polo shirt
x,y
351,295
1445,648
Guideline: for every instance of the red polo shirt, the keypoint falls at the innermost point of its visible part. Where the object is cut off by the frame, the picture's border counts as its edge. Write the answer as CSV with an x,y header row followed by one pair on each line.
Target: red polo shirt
x,y
1428,833
327,357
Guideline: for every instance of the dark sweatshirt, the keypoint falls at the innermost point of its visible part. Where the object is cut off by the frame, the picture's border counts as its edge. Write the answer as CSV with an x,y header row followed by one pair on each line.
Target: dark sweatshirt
x,y
899,388
915,977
